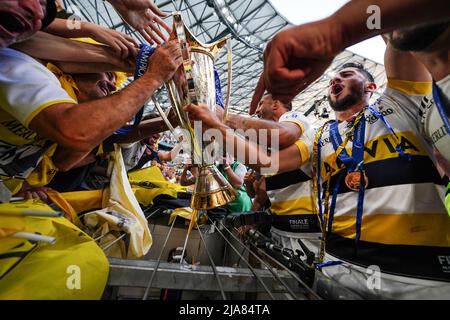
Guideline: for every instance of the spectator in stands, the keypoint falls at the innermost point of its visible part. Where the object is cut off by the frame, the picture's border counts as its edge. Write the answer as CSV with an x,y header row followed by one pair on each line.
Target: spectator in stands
x,y
255,185
145,152
92,172
169,172
188,175
234,172
40,112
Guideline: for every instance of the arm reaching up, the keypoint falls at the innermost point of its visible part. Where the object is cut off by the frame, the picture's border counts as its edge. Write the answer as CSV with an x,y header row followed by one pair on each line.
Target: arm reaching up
x,y
248,152
297,56
72,52
122,44
144,16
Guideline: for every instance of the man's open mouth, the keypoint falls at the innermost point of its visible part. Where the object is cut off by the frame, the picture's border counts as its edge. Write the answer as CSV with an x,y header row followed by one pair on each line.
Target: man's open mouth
x,y
336,89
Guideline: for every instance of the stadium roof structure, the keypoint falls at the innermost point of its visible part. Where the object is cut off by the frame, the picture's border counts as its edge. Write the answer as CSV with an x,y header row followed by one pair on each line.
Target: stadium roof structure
x,y
252,23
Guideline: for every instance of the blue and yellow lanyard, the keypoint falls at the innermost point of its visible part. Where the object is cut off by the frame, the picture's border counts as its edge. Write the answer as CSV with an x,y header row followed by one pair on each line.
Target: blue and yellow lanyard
x,y
354,163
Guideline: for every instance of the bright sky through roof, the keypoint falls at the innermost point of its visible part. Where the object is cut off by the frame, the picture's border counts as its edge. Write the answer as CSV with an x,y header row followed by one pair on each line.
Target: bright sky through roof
x,y
303,11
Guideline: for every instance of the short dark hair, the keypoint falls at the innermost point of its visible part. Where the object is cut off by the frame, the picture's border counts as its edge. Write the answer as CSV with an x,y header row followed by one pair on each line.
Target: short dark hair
x,y
361,69
288,105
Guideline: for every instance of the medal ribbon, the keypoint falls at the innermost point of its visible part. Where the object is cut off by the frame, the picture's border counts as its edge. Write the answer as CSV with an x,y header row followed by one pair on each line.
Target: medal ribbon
x,y
352,163
317,185
340,150
316,171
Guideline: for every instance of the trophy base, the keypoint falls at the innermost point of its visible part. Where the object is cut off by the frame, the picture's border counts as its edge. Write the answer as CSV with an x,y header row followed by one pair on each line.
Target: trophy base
x,y
211,189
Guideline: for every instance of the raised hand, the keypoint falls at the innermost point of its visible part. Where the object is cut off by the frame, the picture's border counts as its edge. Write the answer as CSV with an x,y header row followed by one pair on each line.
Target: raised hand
x,y
165,61
249,179
122,44
295,58
144,16
202,113
28,192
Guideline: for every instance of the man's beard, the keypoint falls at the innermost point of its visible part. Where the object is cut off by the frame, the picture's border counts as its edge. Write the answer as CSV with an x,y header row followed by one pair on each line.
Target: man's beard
x,y
418,38
355,96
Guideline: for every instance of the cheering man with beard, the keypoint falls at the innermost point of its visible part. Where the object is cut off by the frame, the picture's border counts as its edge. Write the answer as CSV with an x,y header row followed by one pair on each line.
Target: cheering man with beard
x,y
380,195
381,198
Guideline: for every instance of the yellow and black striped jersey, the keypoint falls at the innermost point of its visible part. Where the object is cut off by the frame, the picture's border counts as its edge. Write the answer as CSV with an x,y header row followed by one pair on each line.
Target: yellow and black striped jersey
x,y
405,227
290,193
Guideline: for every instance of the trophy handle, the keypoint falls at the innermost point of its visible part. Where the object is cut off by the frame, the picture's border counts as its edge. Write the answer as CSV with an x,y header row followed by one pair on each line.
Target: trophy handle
x,y
162,114
229,79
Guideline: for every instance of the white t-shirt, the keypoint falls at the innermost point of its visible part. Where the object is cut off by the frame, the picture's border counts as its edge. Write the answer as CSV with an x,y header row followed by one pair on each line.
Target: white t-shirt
x,y
26,88
132,153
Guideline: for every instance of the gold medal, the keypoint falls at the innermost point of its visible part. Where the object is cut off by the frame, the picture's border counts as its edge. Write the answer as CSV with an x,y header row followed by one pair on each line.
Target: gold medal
x,y
353,179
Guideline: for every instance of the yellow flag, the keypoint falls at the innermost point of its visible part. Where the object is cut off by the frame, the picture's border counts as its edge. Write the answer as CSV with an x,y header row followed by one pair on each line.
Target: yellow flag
x,y
72,268
121,210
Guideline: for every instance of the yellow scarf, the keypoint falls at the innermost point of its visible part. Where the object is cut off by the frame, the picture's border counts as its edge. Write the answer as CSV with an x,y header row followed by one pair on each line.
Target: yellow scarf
x,y
66,81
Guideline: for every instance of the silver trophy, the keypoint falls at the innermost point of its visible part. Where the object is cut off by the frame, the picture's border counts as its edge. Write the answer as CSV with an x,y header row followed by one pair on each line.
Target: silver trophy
x,y
194,83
